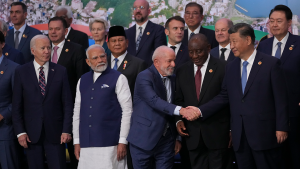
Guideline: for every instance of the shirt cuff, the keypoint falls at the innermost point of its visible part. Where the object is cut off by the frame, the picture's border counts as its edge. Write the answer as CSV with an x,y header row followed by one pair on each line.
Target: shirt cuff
x,y
76,141
201,115
177,122
178,138
20,134
123,140
176,111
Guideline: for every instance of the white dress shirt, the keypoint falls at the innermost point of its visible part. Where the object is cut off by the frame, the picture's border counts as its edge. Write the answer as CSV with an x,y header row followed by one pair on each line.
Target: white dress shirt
x,y
177,47
226,53
203,70
283,43
196,31
138,29
69,28
60,47
22,29
250,63
120,59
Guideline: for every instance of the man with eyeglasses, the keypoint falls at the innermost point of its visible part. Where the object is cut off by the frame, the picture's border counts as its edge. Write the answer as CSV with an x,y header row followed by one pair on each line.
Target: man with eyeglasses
x,y
145,36
193,17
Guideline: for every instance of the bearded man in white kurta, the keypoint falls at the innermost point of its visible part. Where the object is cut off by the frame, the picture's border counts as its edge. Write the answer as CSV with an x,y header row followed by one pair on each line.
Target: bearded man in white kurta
x,y
102,113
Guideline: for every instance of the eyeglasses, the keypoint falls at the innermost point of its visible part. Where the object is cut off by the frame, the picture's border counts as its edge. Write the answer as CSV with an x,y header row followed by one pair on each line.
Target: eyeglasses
x,y
193,14
136,8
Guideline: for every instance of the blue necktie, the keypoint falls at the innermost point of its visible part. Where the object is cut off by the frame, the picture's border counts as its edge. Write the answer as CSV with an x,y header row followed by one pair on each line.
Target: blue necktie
x,y
278,51
192,34
244,75
42,82
116,64
138,39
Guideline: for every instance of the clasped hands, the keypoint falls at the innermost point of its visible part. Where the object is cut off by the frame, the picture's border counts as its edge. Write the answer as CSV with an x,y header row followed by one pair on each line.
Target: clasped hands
x,y
190,113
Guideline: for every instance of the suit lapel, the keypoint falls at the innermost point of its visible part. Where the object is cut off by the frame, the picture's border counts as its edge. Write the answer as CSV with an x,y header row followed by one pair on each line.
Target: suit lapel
x,y
159,82
24,38
10,38
230,57
147,32
269,46
179,54
290,43
51,73
185,38
131,38
215,52
65,53
190,77
70,35
34,78
236,74
124,66
3,67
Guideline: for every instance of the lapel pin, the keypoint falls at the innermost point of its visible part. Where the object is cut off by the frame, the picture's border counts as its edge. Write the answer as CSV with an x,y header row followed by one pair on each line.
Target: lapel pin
x,y
68,40
6,54
210,70
67,50
52,70
292,45
291,48
259,63
148,33
125,62
24,36
1,72
180,50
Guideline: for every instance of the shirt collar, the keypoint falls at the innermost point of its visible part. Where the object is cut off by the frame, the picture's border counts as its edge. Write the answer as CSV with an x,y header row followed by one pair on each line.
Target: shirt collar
x,y
1,58
69,28
195,31
120,58
21,29
251,58
60,45
37,66
283,41
205,63
227,47
143,26
177,45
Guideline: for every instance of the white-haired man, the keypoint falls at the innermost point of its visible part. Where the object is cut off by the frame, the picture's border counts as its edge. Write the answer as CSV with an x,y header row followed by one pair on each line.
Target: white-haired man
x,y
102,113
73,35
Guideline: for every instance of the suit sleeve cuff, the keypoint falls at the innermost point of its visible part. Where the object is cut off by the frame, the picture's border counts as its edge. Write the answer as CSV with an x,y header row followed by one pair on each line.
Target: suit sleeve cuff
x,y
20,134
76,141
123,140
176,111
178,122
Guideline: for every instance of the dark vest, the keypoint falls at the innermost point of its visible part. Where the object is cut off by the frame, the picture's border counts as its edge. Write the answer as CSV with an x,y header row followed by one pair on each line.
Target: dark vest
x,y
100,111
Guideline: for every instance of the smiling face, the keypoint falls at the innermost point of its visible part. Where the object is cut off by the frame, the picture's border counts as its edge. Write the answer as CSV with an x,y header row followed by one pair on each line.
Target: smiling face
x,y
56,32
41,51
198,50
165,61
175,32
17,15
279,25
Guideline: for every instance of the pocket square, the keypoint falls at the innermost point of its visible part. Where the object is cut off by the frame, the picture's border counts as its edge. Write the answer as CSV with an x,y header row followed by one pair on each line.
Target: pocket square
x,y
104,86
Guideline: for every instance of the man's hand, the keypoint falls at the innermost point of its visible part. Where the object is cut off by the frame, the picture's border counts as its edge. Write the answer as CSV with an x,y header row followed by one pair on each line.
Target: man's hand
x,y
281,136
77,151
23,139
121,151
180,128
1,117
230,140
190,113
177,146
65,138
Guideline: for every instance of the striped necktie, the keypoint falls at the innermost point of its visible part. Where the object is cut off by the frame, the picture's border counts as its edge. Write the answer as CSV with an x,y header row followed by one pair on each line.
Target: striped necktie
x,y
138,39
42,82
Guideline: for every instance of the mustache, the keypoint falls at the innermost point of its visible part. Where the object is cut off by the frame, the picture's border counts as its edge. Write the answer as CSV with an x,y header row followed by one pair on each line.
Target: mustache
x,y
100,64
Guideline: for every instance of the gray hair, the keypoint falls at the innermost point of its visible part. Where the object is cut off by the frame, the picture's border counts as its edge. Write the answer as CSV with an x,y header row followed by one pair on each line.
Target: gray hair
x,y
4,27
32,42
99,20
69,11
160,51
92,47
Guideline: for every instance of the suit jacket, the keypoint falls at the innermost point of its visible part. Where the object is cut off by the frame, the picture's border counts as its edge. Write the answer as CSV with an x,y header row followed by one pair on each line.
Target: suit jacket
x,y
182,56
78,37
24,45
290,61
151,111
13,54
6,91
215,130
133,67
32,112
153,37
73,57
215,53
210,34
261,110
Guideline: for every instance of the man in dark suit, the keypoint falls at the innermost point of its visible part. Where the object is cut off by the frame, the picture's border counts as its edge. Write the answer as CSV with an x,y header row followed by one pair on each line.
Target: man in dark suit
x,y
254,87
72,57
193,17
174,29
208,140
286,47
72,35
222,51
8,51
20,36
145,36
42,107
8,141
153,133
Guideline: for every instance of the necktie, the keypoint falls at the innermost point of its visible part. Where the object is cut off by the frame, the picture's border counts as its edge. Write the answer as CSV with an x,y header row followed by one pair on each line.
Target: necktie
x,y
173,47
54,56
116,64
166,93
17,41
198,78
244,75
138,39
222,57
42,82
278,51
192,34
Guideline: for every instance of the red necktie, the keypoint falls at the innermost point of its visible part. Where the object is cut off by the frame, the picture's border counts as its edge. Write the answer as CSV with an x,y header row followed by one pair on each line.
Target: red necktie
x,y
198,78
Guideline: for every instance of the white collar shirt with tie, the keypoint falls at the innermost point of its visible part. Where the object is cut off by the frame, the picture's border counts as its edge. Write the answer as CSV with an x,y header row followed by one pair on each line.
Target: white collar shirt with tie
x,y
203,70
283,43
196,31
177,47
21,30
120,60
226,53
137,32
250,63
37,70
60,47
168,87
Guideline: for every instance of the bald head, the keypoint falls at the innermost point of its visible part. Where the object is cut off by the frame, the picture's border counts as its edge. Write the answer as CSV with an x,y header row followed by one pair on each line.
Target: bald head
x,y
142,2
199,37
199,49
221,30
141,11
164,60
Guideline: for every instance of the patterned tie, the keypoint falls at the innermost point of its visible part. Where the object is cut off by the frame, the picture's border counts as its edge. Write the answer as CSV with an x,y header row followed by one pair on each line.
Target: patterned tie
x,y
278,51
54,56
42,82
192,34
173,47
116,64
198,78
166,93
17,41
222,57
139,39
244,75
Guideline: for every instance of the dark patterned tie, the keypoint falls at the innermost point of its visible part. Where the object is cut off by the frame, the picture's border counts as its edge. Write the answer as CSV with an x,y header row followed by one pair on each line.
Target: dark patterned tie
x,y
139,39
192,34
198,78
42,82
166,93
222,57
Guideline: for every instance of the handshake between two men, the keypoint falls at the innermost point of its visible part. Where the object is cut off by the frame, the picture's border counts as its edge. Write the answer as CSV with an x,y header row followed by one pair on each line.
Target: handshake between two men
x,y
190,113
